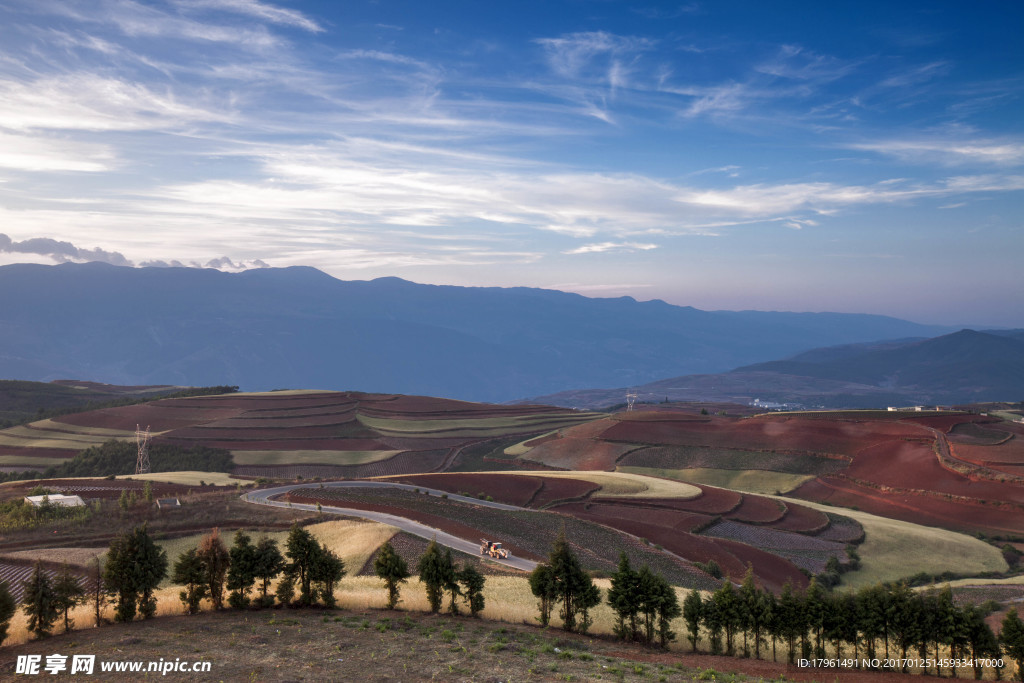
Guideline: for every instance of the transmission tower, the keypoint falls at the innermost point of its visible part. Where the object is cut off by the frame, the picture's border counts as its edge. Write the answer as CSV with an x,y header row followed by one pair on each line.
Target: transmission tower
x,y
630,399
142,439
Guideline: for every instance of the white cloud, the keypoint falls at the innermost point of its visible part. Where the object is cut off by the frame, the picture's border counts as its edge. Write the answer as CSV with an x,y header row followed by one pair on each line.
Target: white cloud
x,y
33,153
601,247
85,101
258,10
949,152
572,54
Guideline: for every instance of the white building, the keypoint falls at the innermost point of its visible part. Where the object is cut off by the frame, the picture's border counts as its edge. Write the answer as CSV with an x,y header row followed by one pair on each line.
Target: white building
x,y
56,499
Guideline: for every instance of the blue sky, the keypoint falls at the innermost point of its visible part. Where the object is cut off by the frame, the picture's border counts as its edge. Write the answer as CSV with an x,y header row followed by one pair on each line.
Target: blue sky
x,y
860,157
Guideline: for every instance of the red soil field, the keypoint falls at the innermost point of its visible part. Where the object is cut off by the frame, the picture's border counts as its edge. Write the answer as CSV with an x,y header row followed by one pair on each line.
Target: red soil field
x,y
256,421
801,519
712,501
283,444
556,489
509,489
427,407
436,521
919,509
158,417
664,527
913,465
61,453
266,433
757,510
588,430
1010,452
578,454
946,422
844,437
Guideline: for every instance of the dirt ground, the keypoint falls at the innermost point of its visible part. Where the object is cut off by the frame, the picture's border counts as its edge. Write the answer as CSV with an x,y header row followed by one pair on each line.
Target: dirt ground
x,y
377,645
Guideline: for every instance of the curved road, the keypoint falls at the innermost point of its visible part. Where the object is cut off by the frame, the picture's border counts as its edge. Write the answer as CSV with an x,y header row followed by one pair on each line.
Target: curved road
x,y
263,497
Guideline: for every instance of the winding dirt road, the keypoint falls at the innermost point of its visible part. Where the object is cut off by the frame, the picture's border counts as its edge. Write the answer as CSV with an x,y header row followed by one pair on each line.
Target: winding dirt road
x,y
264,497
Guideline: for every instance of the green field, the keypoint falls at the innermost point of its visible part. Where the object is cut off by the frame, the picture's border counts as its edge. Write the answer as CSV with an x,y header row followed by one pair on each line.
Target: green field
x,y
748,481
31,460
894,550
622,484
488,426
24,437
515,450
310,457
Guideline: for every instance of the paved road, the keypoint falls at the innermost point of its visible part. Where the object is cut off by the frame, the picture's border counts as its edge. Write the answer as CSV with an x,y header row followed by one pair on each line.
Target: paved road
x,y
263,497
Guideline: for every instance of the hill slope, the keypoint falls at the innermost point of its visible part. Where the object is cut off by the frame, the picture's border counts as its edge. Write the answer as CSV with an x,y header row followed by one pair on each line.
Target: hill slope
x,y
298,327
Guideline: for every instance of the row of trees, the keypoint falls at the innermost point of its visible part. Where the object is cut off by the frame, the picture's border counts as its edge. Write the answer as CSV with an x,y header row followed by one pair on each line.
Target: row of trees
x,y
136,565
876,622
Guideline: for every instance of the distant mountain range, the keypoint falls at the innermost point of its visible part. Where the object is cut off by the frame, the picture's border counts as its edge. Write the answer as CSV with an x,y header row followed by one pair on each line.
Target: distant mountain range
x,y
299,327
963,367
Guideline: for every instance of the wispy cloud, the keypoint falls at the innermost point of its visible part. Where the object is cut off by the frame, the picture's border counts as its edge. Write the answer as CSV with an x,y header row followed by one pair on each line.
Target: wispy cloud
x,y
948,151
36,153
602,247
256,9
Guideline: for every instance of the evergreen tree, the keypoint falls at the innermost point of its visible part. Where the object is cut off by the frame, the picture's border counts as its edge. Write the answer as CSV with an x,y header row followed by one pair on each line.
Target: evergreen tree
x,y
39,602
773,624
693,613
905,609
473,586
285,593
648,600
327,569
390,567
68,594
814,609
241,570
190,573
713,623
267,564
982,642
624,599
1012,637
668,609
135,567
431,568
450,580
216,559
727,606
575,590
147,491
756,607
944,622
99,595
302,551
791,619
542,585
7,609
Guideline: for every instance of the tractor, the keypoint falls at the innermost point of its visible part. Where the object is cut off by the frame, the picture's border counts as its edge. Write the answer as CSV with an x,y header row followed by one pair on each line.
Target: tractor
x,y
493,549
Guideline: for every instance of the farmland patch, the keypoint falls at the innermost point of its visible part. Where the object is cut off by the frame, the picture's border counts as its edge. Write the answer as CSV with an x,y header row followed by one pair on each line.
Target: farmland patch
x,y
305,457
748,481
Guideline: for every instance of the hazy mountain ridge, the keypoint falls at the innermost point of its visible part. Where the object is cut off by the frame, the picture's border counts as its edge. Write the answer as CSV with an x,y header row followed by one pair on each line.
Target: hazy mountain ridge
x,y
962,367
299,327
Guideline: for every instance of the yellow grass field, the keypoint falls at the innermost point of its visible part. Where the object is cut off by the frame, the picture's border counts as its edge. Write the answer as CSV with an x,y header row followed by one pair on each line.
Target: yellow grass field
x,y
190,478
353,541
893,550
285,392
77,429
310,457
748,481
73,556
622,484
515,450
31,460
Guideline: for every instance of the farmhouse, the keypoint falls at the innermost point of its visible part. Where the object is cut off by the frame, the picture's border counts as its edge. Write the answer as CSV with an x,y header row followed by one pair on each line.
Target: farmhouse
x,y
56,499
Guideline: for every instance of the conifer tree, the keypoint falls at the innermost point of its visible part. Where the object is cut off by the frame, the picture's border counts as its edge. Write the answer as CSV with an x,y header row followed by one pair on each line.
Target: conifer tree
x,y
39,602
727,606
390,567
135,567
472,582
575,590
190,573
648,600
216,559
68,594
267,564
431,568
327,569
624,599
668,609
302,551
450,580
99,595
1012,637
241,570
693,613
542,585
7,609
